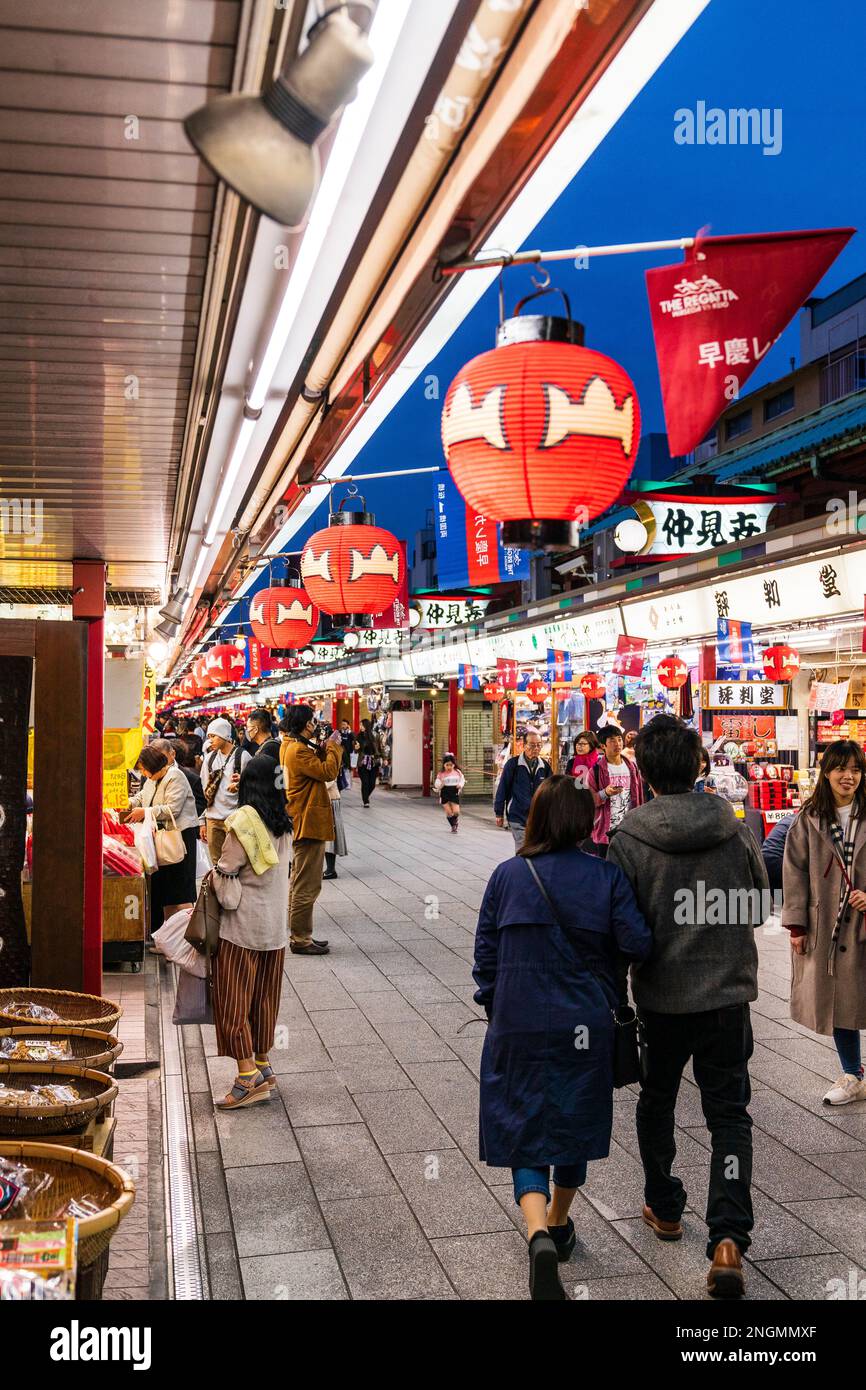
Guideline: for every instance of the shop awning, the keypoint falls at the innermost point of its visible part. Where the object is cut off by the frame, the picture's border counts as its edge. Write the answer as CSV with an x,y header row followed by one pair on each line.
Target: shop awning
x,y
806,436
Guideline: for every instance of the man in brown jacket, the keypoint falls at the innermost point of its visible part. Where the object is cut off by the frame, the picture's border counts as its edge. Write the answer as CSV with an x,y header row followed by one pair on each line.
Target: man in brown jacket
x,y
306,768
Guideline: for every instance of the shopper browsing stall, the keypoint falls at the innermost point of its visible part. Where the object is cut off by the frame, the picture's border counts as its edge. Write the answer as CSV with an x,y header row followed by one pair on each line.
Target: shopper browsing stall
x,y
169,795
586,755
823,909
616,788
449,785
224,762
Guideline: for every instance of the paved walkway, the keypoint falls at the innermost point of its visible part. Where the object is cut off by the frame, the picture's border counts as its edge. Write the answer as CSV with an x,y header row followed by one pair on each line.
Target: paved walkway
x,y
360,1178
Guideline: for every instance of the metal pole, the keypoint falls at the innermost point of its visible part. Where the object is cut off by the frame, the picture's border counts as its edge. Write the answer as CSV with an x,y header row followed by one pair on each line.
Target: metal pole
x,y
362,477
506,258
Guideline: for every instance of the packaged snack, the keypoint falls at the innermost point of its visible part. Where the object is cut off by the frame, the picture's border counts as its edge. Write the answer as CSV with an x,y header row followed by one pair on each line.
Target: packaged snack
x,y
36,1013
35,1049
36,1095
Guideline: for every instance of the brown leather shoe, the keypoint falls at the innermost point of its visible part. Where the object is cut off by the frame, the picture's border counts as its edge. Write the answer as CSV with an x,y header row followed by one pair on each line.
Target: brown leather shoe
x,y
725,1279
665,1230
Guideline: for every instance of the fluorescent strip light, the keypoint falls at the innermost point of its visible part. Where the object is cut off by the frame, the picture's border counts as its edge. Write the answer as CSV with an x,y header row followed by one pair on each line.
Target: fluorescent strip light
x,y
638,60
229,478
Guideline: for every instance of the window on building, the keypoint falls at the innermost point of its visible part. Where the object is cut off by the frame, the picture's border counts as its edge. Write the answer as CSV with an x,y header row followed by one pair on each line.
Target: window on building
x,y
738,424
779,404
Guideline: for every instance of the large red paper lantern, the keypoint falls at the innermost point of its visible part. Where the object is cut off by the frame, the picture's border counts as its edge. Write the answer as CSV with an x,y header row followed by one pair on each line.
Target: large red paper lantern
x,y
353,568
781,663
203,679
284,617
672,672
537,691
189,688
224,663
592,686
539,433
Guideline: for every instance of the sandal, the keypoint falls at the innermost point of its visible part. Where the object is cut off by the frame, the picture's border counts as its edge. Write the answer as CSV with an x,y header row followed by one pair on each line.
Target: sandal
x,y
245,1093
268,1074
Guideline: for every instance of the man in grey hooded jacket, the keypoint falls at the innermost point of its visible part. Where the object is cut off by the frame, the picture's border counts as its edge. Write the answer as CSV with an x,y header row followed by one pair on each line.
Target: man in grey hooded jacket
x,y
701,885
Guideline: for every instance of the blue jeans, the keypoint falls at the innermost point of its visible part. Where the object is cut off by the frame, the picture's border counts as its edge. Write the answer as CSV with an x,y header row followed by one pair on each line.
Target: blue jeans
x,y
538,1179
847,1042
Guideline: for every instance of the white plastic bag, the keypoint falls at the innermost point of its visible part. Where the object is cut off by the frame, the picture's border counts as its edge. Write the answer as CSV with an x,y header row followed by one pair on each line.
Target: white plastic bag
x,y
169,941
142,834
202,860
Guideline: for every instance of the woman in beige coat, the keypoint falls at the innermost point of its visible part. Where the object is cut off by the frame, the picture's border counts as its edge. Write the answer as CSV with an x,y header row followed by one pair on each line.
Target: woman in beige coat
x,y
824,876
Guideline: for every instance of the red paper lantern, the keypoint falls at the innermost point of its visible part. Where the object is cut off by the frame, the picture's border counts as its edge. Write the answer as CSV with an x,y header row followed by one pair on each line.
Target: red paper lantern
x,y
592,686
353,568
284,617
224,663
494,691
540,433
672,672
537,691
781,663
204,681
189,688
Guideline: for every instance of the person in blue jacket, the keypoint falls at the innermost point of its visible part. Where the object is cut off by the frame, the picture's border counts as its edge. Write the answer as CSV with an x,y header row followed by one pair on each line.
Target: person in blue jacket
x,y
773,850
549,991
521,776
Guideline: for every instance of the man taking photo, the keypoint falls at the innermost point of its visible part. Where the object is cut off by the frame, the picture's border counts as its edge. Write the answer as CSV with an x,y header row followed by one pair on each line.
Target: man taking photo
x,y
307,764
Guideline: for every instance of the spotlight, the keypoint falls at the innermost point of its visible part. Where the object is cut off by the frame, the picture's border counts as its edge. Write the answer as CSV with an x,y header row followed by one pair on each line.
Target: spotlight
x,y
157,651
241,642
630,536
173,610
351,639
263,147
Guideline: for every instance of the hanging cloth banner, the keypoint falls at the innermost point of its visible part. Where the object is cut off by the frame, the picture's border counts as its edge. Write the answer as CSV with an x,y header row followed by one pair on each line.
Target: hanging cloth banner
x,y
559,666
716,315
467,676
469,549
507,673
629,657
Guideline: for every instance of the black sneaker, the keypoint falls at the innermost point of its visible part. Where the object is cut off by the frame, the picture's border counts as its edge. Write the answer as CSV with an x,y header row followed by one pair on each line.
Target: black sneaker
x,y
544,1285
564,1238
330,873
311,948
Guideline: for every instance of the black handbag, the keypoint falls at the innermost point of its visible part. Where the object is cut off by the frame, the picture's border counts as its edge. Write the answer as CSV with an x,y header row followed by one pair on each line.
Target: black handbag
x,y
628,1051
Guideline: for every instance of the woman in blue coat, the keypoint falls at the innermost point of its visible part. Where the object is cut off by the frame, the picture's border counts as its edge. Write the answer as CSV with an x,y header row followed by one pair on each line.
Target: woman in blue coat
x,y
549,992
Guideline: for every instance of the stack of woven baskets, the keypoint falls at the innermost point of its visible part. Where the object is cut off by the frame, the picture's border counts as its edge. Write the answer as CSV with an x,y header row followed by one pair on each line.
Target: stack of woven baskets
x,y
63,1070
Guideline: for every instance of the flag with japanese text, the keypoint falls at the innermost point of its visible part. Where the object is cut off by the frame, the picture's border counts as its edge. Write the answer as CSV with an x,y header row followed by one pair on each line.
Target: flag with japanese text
x,y
396,615
559,667
467,677
719,312
629,657
506,673
469,549
735,651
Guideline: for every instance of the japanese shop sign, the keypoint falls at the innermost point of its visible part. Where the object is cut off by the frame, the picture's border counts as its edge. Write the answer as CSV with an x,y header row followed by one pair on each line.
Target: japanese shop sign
x,y
718,312
469,547
629,657
745,695
448,611
689,526
826,698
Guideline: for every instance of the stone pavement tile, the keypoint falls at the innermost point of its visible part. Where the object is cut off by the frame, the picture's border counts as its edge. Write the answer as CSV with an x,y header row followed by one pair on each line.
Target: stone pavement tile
x,y
389,1006
600,1252
841,1220
614,1185
258,1135
343,1162
449,1018
446,1194
223,1270
815,1277
291,1013
274,1210
208,1039
311,1275
203,1127
486,1266
369,1069
808,1053
196,1072
452,1092
397,963
764,1028
628,1288
382,1251
414,1042
781,1173
403,929
324,994
359,977
682,1265
212,1191
849,1119
342,1027
850,1169
469,1048
316,1098
299,1049
795,1126
777,1233
423,989
402,1122
786,1076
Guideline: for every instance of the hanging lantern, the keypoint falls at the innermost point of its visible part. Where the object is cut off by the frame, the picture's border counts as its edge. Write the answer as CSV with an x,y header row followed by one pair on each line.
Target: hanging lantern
x,y
592,686
672,672
203,679
188,688
781,663
284,617
224,663
352,569
493,691
537,691
541,431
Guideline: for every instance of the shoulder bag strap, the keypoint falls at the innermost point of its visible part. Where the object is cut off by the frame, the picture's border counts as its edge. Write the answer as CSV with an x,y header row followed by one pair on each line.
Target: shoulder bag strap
x,y
557,917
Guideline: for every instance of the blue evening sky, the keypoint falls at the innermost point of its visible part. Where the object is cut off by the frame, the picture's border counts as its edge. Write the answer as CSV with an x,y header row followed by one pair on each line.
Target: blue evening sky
x,y
640,185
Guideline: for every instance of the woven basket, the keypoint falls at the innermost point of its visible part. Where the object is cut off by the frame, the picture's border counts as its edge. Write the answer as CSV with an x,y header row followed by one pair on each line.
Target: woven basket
x,y
77,1174
87,1046
81,1010
32,1121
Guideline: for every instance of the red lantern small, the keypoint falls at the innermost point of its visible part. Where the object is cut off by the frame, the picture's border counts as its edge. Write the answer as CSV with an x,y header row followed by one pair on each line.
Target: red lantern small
x,y
672,672
284,618
353,568
493,691
537,691
224,663
592,685
781,663
188,688
541,431
203,680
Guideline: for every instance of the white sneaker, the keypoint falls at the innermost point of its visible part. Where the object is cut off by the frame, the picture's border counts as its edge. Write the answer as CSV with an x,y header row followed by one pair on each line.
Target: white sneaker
x,y
847,1089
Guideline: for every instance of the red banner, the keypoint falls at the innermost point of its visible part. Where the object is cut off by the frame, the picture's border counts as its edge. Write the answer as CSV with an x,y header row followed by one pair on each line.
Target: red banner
x,y
629,656
718,313
396,615
506,673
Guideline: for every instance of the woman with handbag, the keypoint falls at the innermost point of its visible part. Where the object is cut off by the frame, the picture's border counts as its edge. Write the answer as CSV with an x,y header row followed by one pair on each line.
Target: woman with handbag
x,y
167,793
251,884
556,930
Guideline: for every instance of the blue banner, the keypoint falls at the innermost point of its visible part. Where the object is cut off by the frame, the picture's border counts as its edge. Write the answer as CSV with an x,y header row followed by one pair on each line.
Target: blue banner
x,y
469,549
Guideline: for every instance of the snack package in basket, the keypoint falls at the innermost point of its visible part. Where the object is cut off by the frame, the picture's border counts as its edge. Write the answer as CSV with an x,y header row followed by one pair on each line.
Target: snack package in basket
x,y
30,1012
38,1260
35,1049
35,1095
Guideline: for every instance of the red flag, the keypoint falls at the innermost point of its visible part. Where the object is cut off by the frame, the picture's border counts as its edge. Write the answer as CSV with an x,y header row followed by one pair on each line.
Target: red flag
x,y
715,316
396,615
506,673
629,656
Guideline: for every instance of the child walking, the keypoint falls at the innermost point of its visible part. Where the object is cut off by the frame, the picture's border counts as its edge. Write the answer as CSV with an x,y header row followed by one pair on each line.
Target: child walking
x,y
449,784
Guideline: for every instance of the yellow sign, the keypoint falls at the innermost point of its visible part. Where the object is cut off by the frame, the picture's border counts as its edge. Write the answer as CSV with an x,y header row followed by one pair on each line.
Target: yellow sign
x,y
148,703
120,750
